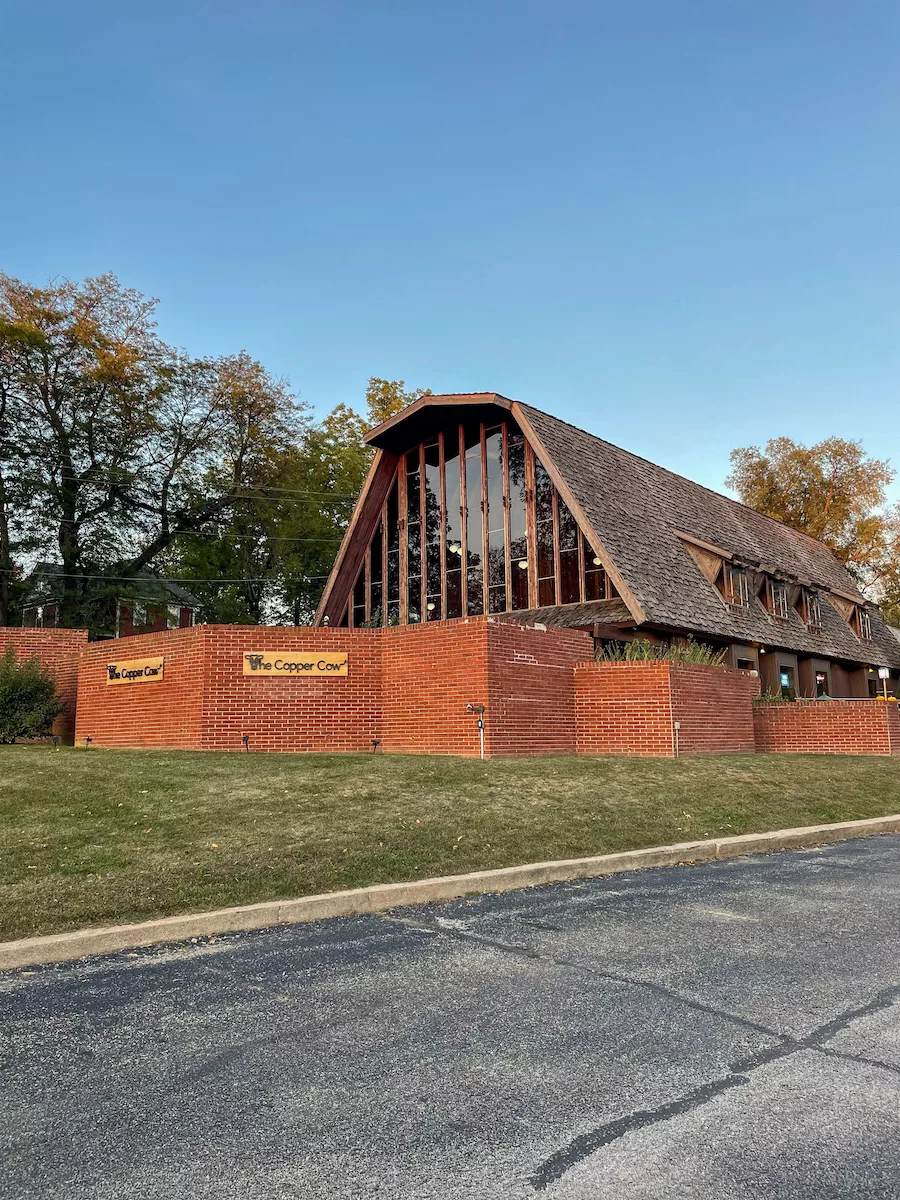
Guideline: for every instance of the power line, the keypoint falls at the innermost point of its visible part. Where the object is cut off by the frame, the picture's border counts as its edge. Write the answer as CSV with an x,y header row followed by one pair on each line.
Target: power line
x,y
147,578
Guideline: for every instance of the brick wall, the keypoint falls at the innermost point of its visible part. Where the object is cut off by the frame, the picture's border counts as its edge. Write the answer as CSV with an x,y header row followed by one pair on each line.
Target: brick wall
x,y
531,699
714,707
314,713
623,708
828,727
408,686
431,672
631,708
57,650
166,713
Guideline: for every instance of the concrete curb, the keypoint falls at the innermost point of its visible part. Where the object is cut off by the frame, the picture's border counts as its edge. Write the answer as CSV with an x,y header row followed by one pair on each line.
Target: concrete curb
x,y
61,947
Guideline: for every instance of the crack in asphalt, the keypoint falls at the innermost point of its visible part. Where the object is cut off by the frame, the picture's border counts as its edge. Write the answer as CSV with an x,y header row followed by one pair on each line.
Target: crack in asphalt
x,y
581,1147
468,935
737,1075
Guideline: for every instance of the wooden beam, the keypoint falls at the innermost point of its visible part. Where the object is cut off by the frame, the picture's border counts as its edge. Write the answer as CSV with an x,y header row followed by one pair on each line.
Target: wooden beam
x,y
475,398
463,523
507,536
557,589
403,551
441,457
484,522
530,525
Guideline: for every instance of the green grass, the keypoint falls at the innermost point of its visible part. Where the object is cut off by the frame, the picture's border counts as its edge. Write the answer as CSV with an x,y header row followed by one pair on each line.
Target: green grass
x,y
100,836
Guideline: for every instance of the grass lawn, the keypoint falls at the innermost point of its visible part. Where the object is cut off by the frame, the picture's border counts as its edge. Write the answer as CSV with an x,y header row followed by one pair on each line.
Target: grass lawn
x,y
100,836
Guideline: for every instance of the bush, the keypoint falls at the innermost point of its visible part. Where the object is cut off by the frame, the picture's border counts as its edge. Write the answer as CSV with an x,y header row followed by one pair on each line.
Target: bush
x,y
28,701
641,650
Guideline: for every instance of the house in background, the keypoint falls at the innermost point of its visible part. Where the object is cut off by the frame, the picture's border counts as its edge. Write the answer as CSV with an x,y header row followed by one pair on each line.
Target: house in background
x,y
476,504
148,607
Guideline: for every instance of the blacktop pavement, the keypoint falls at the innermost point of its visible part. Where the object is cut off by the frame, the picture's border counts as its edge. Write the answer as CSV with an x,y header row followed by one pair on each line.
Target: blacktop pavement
x,y
725,1031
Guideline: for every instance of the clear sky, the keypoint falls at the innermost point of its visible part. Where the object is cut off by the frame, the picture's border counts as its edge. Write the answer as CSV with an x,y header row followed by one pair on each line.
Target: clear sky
x,y
673,222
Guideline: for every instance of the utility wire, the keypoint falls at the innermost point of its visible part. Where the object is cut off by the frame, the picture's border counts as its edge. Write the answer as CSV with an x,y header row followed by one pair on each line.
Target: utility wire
x,y
147,578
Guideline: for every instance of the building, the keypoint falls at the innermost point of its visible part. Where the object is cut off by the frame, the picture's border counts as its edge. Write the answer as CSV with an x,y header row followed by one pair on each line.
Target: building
x,y
149,606
476,504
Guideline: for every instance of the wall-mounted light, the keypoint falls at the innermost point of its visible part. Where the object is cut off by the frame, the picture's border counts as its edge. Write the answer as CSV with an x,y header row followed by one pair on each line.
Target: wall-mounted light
x,y
454,548
430,606
597,562
762,649
523,563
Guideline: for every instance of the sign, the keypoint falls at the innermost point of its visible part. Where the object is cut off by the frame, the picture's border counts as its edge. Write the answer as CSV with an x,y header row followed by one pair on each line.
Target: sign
x,y
135,670
884,673
290,664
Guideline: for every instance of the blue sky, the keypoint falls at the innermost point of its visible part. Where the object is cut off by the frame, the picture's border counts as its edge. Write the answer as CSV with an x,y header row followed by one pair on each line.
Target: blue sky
x,y
675,224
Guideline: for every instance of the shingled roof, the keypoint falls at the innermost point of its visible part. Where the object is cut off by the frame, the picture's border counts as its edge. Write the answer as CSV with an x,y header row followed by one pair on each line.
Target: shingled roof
x,y
637,510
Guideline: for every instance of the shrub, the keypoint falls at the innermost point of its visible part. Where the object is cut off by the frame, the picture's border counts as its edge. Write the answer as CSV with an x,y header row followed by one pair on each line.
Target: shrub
x,y
640,650
28,701
773,698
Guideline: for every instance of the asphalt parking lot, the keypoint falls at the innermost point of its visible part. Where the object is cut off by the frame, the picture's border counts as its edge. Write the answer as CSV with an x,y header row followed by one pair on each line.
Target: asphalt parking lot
x,y
730,1030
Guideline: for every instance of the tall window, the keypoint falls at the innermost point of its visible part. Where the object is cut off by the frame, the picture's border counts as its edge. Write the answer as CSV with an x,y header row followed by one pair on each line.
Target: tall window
x,y
453,516
543,517
474,527
595,584
813,610
778,599
569,575
863,624
518,522
473,523
736,585
495,519
413,538
434,527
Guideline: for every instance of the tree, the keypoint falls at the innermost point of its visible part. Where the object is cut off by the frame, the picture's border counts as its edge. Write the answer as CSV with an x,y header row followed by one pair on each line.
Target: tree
x,y
385,397
123,444
28,701
832,491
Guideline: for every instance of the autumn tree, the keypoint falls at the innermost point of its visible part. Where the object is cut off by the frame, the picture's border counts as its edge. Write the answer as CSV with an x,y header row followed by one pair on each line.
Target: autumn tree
x,y
384,397
120,443
832,491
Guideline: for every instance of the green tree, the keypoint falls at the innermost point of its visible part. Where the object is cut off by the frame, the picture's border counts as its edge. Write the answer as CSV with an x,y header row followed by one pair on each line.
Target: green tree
x,y
28,701
122,444
384,397
832,491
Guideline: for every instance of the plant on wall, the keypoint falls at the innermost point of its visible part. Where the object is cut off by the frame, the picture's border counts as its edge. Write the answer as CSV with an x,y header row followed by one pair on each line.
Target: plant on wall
x,y
28,701
641,650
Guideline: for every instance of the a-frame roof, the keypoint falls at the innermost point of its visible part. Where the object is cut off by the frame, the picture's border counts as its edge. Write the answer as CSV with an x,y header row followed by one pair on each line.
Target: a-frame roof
x,y
641,518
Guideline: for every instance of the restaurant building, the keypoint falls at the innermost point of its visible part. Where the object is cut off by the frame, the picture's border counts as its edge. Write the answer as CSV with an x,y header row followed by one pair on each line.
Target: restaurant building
x,y
476,504
493,556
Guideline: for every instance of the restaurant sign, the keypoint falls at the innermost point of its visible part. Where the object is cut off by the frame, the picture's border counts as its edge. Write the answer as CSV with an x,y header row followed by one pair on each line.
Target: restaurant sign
x,y
135,670
289,664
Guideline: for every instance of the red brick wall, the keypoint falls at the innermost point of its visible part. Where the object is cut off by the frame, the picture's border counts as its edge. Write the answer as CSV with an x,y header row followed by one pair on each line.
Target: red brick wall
x,y
315,713
167,713
714,706
631,708
57,650
431,672
828,727
531,701
623,708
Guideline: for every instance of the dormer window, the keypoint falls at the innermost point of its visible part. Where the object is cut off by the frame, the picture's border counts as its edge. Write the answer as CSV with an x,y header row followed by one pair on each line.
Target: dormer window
x,y
778,599
813,609
863,624
736,585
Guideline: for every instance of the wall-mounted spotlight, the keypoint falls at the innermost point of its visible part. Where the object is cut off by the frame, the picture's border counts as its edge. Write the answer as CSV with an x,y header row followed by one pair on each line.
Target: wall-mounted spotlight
x,y
430,606
523,564
597,562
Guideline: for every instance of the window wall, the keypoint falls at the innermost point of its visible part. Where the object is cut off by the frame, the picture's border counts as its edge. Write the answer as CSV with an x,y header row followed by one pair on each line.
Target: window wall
x,y
473,524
